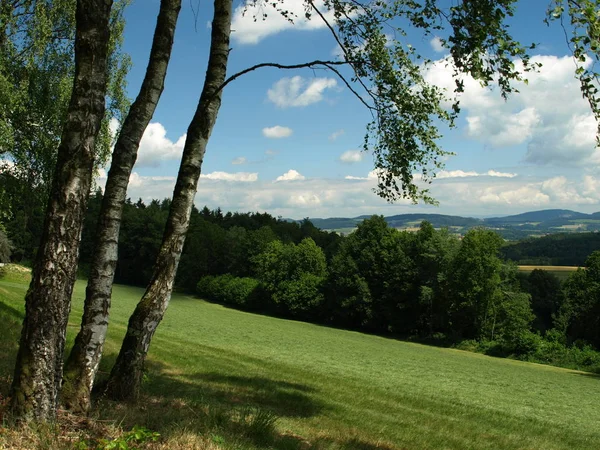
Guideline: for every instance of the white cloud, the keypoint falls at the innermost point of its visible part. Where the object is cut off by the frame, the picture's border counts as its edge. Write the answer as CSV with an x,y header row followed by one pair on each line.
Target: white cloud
x,y
352,156
462,174
239,161
113,127
493,173
298,91
548,114
501,129
250,26
271,152
455,174
277,132
304,199
6,163
437,45
155,147
291,175
484,194
336,134
372,175
244,177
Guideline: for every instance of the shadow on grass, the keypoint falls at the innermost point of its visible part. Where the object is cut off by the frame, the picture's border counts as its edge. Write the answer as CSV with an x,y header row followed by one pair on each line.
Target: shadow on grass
x,y
276,397
231,411
587,374
11,320
280,397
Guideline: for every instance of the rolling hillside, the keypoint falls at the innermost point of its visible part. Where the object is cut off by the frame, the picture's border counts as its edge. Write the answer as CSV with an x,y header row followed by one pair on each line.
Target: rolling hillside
x,y
223,379
520,226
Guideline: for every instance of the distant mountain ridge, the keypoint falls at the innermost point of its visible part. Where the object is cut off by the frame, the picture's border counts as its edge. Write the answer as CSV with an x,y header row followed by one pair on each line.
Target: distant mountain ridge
x,y
514,226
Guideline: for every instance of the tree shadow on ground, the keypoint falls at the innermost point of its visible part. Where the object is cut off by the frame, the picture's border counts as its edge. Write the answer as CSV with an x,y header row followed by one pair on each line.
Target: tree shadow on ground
x,y
280,397
231,411
587,374
11,320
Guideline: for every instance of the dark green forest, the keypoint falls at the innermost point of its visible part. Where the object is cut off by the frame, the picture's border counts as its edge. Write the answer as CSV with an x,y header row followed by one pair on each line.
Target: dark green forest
x,y
428,285
561,249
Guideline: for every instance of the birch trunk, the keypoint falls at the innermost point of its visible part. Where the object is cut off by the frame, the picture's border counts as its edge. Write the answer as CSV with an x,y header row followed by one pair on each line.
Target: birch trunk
x,y
38,371
126,375
82,365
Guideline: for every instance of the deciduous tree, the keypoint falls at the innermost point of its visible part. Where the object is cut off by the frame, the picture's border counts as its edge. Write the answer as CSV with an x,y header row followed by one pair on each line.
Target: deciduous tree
x,y
385,76
82,365
38,371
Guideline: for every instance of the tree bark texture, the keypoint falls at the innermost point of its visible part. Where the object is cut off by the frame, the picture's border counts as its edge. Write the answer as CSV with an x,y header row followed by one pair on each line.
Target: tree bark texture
x,y
38,371
126,375
82,365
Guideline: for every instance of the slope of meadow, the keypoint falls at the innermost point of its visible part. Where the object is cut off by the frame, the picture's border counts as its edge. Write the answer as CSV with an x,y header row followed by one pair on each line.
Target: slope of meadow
x,y
221,378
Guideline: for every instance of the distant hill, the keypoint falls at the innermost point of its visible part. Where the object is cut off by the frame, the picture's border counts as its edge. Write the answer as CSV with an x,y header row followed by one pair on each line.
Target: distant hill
x,y
554,250
515,227
400,221
555,215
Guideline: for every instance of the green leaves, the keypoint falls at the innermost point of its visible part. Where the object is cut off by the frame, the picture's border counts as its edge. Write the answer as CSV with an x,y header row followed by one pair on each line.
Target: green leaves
x,y
584,41
408,111
36,78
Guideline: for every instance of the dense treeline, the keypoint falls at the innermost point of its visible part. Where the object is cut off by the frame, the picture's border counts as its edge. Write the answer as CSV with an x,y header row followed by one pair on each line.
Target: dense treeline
x,y
564,249
216,243
426,285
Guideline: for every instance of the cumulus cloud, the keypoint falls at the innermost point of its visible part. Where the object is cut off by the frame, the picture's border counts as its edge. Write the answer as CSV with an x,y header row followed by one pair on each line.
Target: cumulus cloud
x,y
6,163
291,175
251,26
493,173
113,127
239,161
471,173
298,91
352,156
372,175
437,45
455,174
548,115
277,132
155,147
244,177
485,194
336,134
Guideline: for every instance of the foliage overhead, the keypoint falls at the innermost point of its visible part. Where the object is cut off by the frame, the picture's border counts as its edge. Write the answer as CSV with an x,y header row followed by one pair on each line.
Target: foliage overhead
x,y
387,75
584,41
36,77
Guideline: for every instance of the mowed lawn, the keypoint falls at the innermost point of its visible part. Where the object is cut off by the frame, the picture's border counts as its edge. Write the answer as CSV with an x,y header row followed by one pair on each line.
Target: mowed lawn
x,y
561,272
327,388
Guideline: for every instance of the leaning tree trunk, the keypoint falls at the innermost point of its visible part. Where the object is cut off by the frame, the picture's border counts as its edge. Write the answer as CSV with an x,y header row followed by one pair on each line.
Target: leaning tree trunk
x,y
126,375
38,371
82,365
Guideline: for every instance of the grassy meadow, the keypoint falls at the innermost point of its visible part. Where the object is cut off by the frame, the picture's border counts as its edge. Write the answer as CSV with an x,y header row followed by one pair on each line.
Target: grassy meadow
x,y
561,272
224,379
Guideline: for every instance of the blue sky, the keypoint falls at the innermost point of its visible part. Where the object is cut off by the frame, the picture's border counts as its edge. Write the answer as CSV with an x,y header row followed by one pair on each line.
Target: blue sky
x,y
287,142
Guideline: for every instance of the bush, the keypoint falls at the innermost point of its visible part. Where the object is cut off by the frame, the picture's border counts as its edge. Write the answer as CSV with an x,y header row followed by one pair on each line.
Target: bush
x,y
301,296
242,291
525,343
229,289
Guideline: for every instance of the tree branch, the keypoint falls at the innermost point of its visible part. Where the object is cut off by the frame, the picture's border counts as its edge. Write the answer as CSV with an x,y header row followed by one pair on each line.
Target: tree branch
x,y
327,64
346,55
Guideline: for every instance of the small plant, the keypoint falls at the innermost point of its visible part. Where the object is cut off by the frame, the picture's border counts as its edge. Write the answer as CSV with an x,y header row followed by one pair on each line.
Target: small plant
x,y
129,440
217,439
258,424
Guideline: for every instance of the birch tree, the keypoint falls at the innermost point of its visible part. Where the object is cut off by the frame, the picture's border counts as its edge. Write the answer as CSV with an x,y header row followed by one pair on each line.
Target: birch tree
x,y
386,77
82,365
38,370
126,375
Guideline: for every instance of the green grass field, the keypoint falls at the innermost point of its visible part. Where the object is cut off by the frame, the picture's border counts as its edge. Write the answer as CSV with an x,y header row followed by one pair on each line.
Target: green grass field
x,y
561,272
223,379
